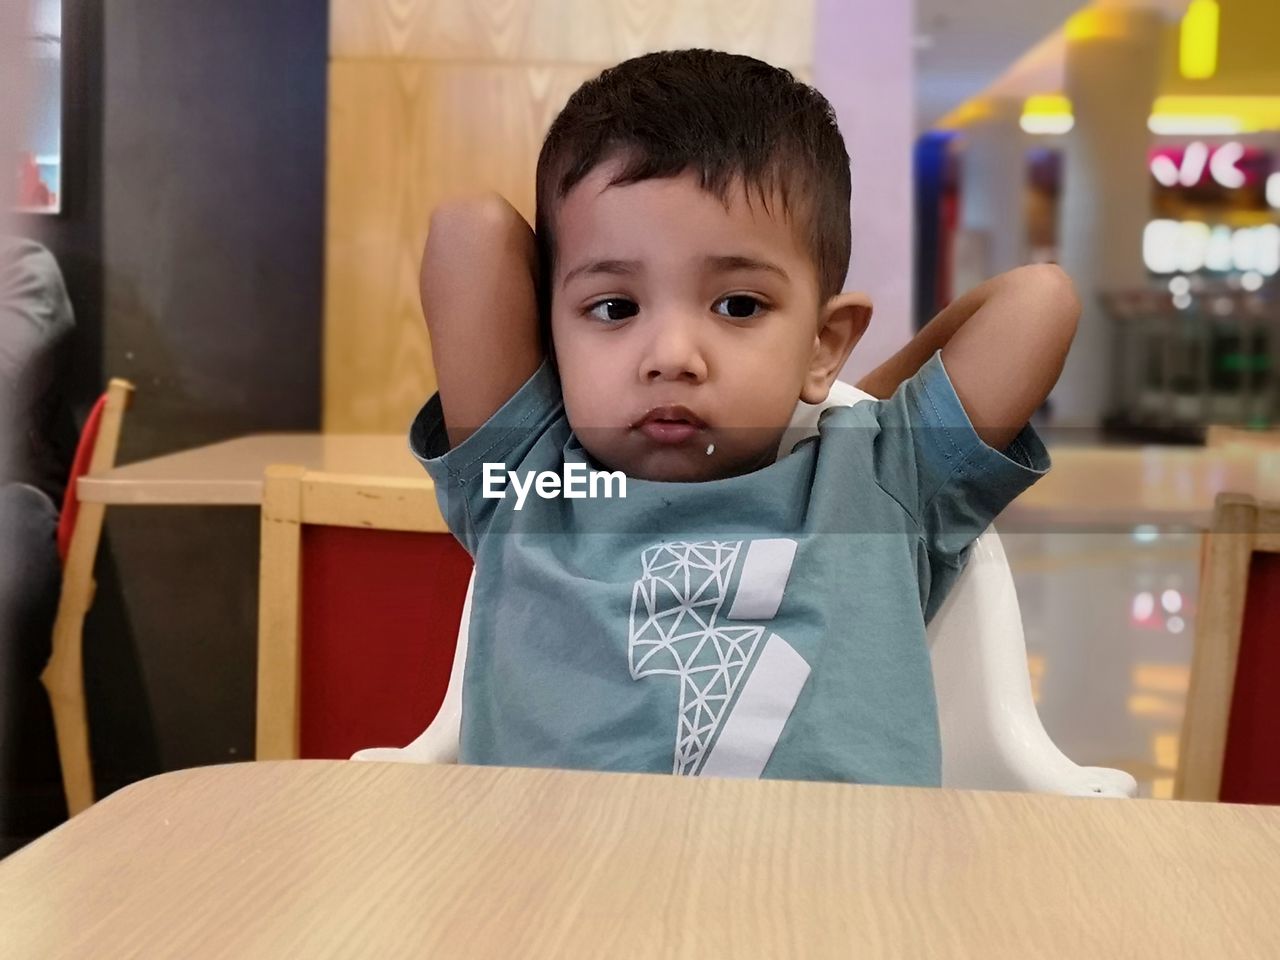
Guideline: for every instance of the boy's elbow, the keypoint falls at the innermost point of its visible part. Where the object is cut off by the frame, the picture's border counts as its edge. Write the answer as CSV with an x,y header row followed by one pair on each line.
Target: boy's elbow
x,y
467,236
1054,291
470,215
1066,300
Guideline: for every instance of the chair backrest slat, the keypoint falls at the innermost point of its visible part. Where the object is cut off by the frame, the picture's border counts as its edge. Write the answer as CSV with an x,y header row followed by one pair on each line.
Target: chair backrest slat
x,y
360,600
1233,702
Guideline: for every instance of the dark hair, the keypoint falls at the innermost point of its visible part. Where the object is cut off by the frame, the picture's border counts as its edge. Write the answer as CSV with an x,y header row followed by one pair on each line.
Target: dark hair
x,y
727,118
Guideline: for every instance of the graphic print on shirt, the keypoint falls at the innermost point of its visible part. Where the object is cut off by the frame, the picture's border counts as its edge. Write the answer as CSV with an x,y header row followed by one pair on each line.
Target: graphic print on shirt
x,y
679,628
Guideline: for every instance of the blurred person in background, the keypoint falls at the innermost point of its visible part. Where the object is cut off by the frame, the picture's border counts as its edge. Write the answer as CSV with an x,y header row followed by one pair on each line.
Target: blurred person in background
x,y
36,443
35,324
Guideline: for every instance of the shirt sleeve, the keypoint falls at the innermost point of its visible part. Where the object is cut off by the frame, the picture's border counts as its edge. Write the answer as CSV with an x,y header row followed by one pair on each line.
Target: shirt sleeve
x,y
929,458
520,432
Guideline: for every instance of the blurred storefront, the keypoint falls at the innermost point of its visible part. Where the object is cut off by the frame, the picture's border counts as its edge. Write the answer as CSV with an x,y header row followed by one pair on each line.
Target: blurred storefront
x,y
1139,147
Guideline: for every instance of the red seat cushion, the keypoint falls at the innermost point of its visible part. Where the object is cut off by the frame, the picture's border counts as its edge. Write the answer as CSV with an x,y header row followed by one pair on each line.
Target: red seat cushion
x,y
79,467
380,615
1251,764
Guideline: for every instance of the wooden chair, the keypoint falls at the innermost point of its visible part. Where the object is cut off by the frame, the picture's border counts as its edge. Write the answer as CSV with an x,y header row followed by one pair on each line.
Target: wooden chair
x,y
361,595
79,531
1233,708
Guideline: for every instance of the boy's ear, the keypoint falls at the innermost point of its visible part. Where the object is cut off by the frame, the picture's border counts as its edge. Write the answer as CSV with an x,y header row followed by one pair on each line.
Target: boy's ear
x,y
842,323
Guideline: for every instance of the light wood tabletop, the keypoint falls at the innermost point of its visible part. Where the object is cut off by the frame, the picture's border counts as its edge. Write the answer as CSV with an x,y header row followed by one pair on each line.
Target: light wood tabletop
x,y
230,473
1106,486
323,858
1129,486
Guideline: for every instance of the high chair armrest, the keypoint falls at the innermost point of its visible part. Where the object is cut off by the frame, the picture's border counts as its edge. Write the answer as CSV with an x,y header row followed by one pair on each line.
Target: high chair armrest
x,y
992,737
437,744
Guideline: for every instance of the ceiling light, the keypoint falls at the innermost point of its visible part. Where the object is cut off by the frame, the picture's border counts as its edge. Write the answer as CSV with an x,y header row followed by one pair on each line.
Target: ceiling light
x,y
1043,125
1198,44
1047,114
1243,114
1172,124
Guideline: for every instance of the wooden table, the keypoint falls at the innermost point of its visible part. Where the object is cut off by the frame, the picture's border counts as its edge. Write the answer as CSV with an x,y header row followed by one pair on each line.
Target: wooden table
x,y
230,473
319,859
1088,486
1116,487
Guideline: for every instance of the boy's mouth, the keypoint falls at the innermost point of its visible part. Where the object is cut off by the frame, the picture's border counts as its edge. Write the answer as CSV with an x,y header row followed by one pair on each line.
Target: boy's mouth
x,y
670,425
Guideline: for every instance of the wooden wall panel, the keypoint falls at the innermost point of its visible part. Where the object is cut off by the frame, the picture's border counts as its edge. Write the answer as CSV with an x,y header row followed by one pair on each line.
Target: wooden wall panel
x,y
430,98
598,32
402,137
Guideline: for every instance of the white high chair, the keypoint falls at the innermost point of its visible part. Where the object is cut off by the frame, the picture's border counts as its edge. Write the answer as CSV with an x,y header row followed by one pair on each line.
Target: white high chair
x,y
992,738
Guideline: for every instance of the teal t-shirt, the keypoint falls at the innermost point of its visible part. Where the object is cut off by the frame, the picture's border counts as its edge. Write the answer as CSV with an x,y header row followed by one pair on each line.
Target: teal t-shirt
x,y
770,624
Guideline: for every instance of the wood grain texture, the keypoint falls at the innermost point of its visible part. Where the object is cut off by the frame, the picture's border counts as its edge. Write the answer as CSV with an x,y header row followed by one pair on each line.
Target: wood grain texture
x,y
279,615
402,138
326,859
568,31
433,98
230,473
372,503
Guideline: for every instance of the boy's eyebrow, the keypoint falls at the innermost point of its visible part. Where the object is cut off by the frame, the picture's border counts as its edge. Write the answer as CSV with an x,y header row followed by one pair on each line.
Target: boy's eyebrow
x,y
619,268
728,264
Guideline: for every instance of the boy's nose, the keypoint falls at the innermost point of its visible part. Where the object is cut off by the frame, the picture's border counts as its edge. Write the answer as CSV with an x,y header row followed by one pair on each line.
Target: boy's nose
x,y
673,352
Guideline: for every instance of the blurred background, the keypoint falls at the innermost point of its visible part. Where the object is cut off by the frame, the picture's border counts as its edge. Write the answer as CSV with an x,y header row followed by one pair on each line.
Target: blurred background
x,y
235,195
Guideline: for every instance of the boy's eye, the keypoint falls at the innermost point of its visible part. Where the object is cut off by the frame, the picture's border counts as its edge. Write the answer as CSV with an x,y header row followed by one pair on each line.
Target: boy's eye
x,y
614,310
739,306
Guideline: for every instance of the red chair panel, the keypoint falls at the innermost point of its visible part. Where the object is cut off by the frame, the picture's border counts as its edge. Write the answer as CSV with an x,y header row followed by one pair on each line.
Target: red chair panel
x,y
380,614
1251,764
79,467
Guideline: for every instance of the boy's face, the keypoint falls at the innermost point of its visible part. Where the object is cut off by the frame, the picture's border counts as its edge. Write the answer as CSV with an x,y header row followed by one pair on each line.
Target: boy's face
x,y
681,326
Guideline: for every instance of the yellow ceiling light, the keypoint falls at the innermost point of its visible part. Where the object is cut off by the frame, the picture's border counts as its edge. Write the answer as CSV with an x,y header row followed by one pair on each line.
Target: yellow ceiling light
x,y
1170,115
1209,115
1047,114
1198,47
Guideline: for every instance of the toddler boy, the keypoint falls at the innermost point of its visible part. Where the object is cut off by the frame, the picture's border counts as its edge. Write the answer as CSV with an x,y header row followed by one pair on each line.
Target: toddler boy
x,y
737,612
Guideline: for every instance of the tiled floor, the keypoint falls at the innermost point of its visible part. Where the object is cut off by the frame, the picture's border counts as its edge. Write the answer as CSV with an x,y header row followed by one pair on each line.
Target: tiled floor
x,y
1109,621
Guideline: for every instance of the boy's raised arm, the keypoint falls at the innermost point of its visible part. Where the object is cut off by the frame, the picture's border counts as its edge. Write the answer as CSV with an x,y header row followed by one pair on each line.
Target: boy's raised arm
x,y
478,287
1003,343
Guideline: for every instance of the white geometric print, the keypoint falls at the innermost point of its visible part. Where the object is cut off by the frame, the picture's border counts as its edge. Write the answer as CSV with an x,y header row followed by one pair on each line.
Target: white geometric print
x,y
677,629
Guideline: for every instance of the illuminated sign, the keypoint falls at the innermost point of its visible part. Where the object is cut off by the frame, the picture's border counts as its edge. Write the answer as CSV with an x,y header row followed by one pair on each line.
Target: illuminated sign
x,y
1223,165
1231,165
1189,246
